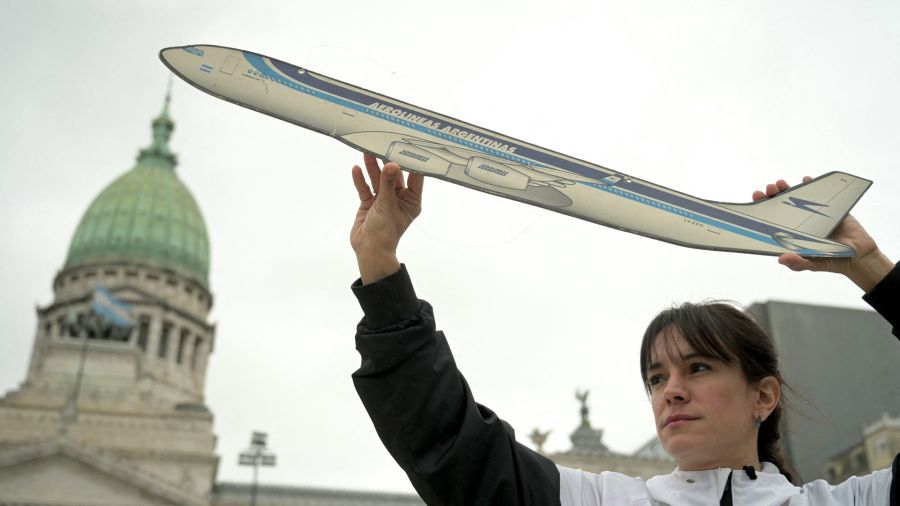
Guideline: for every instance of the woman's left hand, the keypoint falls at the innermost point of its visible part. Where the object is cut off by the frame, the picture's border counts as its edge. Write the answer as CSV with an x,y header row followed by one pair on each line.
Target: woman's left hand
x,y
866,268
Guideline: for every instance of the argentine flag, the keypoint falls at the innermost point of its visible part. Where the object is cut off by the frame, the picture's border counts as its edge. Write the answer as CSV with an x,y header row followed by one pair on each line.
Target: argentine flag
x,y
111,309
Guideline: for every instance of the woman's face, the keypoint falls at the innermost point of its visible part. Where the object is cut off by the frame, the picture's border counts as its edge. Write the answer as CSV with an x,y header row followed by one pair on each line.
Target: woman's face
x,y
704,408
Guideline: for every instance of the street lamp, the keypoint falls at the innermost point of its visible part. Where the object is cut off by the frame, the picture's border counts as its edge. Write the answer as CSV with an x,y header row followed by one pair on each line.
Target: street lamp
x,y
257,455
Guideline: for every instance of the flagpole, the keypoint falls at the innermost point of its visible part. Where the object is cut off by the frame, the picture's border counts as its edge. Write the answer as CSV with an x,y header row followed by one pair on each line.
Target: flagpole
x,y
69,413
104,309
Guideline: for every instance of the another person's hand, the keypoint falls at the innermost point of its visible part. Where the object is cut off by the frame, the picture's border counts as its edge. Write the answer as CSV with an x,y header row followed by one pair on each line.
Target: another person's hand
x,y
866,268
383,216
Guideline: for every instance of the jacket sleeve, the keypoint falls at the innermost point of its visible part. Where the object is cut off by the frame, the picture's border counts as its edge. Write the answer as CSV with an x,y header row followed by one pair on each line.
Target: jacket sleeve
x,y
455,451
885,298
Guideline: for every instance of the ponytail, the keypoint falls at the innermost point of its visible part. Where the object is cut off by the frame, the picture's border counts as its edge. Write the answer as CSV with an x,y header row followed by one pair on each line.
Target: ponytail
x,y
768,445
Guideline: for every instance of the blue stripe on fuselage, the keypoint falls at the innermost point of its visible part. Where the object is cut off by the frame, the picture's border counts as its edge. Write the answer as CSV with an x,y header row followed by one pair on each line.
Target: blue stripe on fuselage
x,y
305,82
662,206
357,101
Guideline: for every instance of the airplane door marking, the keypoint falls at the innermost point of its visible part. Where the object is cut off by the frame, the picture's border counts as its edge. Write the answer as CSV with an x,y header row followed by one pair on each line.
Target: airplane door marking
x,y
229,65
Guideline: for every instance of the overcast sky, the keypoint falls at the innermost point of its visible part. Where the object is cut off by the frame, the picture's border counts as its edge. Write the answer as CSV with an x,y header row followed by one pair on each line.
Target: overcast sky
x,y
712,98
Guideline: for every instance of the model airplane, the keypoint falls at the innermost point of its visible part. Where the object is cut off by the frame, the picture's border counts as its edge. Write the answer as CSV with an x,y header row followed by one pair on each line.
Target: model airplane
x,y
798,220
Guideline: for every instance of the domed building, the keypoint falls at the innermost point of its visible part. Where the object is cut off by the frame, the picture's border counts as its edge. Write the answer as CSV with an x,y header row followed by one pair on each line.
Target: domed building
x,y
146,217
112,410
114,413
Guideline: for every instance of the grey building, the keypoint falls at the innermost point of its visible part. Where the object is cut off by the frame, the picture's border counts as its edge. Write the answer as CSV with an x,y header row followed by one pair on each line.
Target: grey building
x,y
843,367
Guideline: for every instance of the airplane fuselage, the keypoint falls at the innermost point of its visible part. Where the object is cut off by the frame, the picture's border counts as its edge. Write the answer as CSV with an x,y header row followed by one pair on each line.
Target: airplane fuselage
x,y
440,146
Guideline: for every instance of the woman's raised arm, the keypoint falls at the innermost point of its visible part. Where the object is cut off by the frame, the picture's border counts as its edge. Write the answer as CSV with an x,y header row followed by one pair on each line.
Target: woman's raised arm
x,y
454,450
869,269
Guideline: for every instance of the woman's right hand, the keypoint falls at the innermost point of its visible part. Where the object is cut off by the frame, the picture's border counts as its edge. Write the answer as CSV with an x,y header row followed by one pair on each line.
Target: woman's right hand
x,y
383,216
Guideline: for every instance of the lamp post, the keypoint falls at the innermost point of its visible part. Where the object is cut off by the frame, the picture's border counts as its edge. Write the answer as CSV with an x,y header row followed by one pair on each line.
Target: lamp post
x,y
257,455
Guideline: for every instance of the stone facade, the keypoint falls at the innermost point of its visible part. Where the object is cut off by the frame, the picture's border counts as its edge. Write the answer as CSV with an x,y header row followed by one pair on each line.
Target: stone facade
x,y
882,441
876,450
65,472
116,415
589,453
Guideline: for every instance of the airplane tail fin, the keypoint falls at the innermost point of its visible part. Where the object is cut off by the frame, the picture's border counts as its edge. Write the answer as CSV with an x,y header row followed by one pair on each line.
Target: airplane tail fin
x,y
815,208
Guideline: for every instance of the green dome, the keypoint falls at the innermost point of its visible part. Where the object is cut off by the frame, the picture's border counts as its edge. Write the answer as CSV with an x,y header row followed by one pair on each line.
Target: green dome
x,y
146,216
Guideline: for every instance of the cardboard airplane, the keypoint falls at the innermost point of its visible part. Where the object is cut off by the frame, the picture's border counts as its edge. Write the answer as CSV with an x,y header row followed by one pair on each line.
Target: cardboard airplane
x,y
798,220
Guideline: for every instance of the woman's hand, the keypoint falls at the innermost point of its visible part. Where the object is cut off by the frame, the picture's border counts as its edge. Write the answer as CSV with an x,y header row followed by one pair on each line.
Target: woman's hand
x,y
866,268
382,217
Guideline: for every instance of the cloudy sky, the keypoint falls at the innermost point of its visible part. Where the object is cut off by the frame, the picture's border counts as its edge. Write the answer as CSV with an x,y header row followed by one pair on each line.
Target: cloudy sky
x,y
712,98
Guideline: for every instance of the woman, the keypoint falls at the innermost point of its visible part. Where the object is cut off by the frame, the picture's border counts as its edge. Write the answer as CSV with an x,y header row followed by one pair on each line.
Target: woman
x,y
711,373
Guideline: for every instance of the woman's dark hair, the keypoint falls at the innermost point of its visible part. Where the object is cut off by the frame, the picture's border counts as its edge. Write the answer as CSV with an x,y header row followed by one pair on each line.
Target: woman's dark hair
x,y
722,331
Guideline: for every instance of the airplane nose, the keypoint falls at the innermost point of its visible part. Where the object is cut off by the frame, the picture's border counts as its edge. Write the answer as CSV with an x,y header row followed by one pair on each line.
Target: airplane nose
x,y
182,59
201,66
